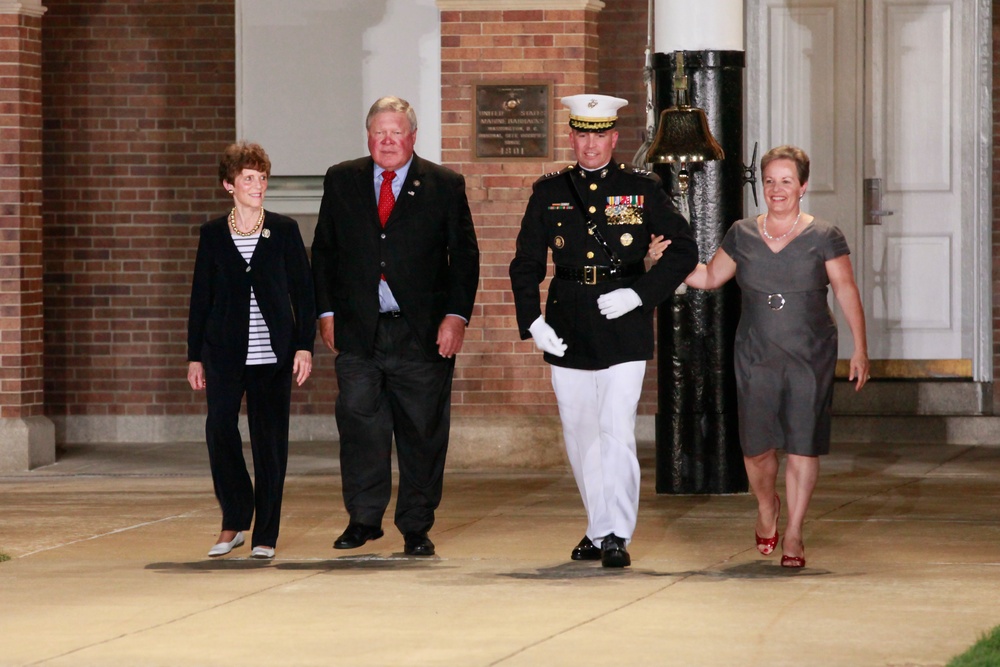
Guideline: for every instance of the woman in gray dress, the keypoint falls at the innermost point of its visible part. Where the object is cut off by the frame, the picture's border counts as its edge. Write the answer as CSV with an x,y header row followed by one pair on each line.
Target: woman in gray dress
x,y
786,342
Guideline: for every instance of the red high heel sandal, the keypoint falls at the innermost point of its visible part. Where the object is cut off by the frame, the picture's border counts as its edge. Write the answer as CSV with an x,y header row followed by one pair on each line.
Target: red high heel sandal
x,y
793,561
766,545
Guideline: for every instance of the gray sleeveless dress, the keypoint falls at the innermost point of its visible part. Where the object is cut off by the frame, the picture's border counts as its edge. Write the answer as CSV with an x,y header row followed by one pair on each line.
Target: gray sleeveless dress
x,y
786,342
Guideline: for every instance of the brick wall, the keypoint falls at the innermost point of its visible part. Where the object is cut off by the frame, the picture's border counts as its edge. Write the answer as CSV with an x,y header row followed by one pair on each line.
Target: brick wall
x,y
20,218
622,34
138,104
622,30
498,373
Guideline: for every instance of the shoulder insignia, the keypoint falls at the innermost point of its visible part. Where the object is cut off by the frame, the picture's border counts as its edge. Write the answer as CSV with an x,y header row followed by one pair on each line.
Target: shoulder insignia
x,y
627,168
553,174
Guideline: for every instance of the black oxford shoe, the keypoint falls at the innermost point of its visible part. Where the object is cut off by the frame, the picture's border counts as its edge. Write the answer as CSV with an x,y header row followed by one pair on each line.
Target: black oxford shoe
x,y
356,535
613,553
417,544
586,550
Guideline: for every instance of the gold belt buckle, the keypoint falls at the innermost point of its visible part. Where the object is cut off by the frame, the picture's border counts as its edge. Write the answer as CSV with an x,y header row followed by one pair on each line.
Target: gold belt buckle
x,y
775,301
590,275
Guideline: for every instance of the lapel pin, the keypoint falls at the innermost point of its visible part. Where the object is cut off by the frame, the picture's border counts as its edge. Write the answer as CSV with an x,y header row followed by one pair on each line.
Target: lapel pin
x,y
266,233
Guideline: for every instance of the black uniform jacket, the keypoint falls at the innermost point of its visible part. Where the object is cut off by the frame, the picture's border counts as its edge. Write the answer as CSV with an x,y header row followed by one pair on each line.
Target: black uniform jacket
x,y
219,316
427,251
628,207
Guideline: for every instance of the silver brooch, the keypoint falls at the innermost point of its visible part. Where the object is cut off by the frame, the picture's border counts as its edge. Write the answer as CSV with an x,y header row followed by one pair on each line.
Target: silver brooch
x,y
266,233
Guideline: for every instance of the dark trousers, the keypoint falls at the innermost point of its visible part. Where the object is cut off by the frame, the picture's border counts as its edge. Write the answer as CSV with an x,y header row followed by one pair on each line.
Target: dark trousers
x,y
395,392
268,389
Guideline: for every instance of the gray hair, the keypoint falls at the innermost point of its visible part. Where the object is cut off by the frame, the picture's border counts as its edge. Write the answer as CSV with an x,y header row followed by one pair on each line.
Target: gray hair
x,y
392,104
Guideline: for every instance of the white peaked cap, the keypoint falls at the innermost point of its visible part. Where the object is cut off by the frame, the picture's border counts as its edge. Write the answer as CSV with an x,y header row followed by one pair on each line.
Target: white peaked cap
x,y
593,113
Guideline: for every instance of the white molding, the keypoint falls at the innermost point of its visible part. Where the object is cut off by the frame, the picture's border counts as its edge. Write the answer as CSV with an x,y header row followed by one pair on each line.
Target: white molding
x,y
28,8
982,73
508,5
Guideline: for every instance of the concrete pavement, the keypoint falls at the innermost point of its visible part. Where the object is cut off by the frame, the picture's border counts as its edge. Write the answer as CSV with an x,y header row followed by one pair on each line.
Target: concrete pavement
x,y
109,569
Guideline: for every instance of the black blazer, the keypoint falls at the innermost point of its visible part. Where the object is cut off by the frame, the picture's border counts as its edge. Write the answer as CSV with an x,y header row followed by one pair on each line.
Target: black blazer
x,y
219,317
427,251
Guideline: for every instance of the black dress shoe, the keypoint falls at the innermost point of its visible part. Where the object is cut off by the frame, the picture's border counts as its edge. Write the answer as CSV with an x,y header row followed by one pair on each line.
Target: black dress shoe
x,y
417,544
356,535
613,553
586,550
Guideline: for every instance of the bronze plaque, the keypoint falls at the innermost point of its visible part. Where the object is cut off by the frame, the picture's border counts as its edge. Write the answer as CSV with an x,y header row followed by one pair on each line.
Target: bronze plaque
x,y
513,121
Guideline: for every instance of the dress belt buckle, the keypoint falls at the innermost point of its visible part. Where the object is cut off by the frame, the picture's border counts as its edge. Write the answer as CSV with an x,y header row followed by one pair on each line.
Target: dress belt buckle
x,y
590,275
775,301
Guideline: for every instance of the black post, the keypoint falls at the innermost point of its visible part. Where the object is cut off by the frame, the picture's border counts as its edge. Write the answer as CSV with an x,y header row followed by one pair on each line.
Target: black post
x,y
697,437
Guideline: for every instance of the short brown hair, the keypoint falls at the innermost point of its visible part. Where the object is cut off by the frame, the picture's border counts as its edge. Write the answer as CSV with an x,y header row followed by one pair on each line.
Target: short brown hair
x,y
793,153
243,155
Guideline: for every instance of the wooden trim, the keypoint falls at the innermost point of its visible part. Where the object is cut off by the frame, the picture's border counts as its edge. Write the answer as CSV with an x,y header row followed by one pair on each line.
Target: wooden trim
x,y
913,369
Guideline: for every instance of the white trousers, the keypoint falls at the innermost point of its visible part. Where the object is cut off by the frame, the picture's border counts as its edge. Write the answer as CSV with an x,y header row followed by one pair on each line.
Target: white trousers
x,y
598,410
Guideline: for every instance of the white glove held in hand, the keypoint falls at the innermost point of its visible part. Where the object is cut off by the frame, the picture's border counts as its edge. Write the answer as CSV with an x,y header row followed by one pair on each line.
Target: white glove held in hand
x,y
617,303
546,339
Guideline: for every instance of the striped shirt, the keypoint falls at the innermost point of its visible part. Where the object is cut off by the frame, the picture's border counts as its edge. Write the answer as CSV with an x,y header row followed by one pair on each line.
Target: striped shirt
x,y
259,352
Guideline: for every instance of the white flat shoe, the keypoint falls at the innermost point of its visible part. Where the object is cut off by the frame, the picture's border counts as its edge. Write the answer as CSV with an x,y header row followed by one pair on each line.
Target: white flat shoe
x,y
262,552
222,548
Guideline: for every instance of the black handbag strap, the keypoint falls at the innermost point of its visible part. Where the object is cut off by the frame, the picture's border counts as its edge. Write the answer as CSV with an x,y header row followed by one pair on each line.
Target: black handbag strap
x,y
591,225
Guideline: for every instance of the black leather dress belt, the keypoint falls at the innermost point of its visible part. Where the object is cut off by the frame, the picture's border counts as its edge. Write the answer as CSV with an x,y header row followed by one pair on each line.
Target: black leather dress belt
x,y
591,275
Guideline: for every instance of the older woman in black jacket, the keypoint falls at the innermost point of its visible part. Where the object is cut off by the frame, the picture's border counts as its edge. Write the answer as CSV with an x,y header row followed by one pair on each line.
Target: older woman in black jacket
x,y
251,329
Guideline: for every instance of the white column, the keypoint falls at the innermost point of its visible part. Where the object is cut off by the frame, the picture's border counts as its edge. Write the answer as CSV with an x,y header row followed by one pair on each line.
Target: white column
x,y
704,25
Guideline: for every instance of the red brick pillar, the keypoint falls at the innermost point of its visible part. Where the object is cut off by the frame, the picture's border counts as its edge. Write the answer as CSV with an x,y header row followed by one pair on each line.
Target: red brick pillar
x,y
27,437
503,398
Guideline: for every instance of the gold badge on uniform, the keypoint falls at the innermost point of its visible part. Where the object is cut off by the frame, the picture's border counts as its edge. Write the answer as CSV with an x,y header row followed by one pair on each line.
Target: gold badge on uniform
x,y
559,242
624,210
626,239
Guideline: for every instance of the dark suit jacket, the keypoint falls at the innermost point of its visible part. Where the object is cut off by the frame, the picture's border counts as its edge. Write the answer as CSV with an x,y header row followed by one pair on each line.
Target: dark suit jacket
x,y
427,251
628,206
219,317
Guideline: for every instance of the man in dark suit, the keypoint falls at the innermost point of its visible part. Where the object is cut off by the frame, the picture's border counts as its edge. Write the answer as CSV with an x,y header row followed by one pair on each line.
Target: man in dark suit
x,y
597,217
396,266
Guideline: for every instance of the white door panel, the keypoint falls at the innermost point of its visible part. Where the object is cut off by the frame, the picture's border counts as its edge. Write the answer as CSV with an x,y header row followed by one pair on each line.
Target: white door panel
x,y
914,145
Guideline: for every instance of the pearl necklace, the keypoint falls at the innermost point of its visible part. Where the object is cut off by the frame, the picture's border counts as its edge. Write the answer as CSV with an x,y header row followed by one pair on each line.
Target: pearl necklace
x,y
778,238
260,219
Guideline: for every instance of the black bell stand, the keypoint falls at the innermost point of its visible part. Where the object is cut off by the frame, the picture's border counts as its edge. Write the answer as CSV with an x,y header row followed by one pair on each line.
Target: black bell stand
x,y
697,437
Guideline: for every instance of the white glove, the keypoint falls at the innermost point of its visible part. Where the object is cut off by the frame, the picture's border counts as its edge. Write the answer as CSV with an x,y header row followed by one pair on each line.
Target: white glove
x,y
617,303
546,339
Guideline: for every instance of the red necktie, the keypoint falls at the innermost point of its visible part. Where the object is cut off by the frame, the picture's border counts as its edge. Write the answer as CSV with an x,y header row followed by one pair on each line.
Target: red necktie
x,y
386,200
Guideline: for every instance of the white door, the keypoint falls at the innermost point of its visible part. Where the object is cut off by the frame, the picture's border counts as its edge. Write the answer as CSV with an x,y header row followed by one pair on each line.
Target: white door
x,y
879,93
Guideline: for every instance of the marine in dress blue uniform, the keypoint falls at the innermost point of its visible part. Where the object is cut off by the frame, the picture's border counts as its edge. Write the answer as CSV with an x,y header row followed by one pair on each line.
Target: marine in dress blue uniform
x,y
597,218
